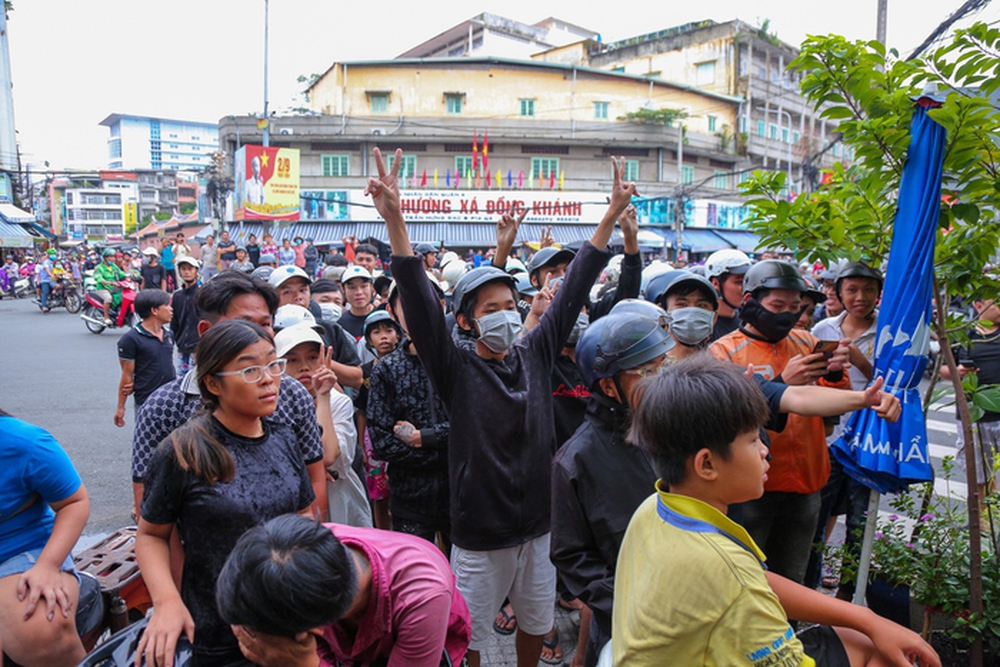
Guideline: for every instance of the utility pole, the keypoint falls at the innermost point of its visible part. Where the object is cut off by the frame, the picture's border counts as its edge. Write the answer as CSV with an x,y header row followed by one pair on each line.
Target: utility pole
x,y
267,120
880,25
679,201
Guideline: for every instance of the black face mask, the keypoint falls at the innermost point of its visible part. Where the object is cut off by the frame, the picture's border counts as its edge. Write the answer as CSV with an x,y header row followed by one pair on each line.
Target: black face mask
x,y
772,326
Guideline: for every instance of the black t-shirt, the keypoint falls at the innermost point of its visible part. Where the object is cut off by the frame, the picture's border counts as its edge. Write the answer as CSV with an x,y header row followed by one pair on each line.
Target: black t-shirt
x,y
153,275
984,350
253,250
227,251
353,324
725,325
270,480
154,360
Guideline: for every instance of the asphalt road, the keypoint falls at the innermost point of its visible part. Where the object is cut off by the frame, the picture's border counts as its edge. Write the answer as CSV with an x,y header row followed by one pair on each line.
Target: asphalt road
x,y
56,374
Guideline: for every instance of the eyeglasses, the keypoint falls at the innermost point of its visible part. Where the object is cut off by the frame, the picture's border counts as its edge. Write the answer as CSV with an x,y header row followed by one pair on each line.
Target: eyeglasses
x,y
651,368
254,374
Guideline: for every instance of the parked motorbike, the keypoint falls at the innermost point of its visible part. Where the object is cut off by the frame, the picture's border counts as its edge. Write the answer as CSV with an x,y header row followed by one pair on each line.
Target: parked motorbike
x,y
123,316
23,288
68,297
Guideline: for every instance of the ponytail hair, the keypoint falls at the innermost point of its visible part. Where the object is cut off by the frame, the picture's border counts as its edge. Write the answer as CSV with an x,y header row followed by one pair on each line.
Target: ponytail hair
x,y
194,446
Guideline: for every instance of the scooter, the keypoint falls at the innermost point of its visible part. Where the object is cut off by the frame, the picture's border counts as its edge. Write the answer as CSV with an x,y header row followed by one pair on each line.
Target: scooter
x,y
66,297
123,316
23,288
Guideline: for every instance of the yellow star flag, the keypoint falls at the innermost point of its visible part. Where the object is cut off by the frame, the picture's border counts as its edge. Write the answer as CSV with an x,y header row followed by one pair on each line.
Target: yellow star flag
x,y
435,178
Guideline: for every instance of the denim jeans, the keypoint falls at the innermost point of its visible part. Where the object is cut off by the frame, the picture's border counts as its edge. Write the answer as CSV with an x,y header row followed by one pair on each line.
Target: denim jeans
x,y
46,289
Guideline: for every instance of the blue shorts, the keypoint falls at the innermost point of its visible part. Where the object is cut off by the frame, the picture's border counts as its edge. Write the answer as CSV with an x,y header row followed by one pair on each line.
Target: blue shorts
x,y
25,561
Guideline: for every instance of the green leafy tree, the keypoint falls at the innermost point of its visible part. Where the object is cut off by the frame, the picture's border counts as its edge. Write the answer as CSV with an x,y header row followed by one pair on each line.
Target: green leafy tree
x,y
653,116
870,93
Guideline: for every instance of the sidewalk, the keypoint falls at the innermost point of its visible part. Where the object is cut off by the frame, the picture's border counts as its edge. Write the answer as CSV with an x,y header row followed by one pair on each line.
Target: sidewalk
x,y
501,653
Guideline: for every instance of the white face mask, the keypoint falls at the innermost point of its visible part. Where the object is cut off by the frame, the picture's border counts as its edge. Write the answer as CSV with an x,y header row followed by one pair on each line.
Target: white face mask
x,y
582,322
499,330
331,311
691,325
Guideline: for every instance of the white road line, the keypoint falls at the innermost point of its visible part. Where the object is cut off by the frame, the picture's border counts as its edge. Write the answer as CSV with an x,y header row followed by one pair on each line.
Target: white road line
x,y
943,427
951,489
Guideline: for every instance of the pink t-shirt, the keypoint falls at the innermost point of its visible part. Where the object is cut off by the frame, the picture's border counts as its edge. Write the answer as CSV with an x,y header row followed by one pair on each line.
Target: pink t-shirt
x,y
415,611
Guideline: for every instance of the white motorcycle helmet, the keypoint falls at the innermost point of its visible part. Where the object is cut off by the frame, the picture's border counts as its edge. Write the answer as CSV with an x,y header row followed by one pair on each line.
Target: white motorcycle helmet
x,y
613,271
655,268
729,260
453,271
290,314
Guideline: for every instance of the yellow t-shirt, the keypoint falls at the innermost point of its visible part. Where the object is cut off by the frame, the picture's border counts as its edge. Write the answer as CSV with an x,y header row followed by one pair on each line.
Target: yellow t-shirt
x,y
690,589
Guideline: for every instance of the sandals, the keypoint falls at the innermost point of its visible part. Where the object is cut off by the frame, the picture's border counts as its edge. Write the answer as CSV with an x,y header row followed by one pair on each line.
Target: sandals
x,y
551,642
506,622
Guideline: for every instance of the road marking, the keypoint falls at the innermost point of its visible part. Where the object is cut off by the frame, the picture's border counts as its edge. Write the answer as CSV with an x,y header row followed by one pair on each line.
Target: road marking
x,y
943,427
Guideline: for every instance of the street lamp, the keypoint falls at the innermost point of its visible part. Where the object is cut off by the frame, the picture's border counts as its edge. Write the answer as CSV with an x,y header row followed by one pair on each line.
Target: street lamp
x,y
788,143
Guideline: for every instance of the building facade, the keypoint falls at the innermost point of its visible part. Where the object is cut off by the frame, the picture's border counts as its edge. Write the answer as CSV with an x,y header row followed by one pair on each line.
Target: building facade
x,y
776,127
147,142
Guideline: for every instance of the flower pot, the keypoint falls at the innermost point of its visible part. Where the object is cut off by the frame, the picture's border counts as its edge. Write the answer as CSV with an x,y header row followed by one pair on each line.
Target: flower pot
x,y
889,600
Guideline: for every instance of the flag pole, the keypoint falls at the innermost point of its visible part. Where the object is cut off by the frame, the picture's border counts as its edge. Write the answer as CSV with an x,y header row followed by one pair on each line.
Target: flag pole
x,y
867,543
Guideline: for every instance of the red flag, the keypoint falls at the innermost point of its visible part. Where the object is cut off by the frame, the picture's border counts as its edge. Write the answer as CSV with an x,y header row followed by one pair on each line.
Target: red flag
x,y
475,150
486,151
488,176
552,179
423,179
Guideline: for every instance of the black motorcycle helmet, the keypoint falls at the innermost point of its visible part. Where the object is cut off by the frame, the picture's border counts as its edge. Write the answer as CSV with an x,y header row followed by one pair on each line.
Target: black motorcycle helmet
x,y
773,274
856,270
617,342
473,280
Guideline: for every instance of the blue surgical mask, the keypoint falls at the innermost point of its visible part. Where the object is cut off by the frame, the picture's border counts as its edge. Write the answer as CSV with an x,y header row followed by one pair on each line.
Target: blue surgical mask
x,y
499,330
692,325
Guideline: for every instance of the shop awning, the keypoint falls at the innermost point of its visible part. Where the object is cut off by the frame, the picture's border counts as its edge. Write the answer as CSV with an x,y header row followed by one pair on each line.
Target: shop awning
x,y
15,236
696,240
742,239
11,213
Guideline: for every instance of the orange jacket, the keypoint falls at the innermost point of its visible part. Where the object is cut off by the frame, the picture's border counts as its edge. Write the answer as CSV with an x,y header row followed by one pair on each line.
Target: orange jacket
x,y
800,462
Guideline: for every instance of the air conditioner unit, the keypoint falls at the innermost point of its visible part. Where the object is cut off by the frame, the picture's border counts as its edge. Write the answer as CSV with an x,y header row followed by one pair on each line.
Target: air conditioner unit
x,y
286,130
378,131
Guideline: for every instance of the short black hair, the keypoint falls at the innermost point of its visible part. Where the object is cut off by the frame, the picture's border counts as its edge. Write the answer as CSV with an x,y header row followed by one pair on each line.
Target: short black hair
x,y
286,576
148,299
337,260
472,298
324,285
686,290
214,297
367,248
693,404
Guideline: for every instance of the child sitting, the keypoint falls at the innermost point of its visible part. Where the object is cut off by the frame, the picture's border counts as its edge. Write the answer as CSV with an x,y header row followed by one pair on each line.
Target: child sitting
x,y
309,362
691,585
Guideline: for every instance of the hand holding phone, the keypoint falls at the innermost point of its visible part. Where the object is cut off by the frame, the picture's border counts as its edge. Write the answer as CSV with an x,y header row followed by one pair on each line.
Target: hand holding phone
x,y
826,348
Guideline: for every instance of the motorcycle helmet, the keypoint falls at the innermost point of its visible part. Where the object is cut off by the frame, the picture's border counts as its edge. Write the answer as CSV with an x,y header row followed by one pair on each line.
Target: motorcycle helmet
x,y
618,342
475,279
729,260
641,308
773,274
549,257
661,286
377,316
290,314
856,270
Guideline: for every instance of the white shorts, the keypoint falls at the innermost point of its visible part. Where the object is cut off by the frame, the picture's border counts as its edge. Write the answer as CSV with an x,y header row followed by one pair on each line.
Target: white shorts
x,y
523,573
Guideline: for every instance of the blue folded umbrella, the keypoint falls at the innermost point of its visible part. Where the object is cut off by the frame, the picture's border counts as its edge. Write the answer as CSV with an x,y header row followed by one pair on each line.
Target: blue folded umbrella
x,y
882,456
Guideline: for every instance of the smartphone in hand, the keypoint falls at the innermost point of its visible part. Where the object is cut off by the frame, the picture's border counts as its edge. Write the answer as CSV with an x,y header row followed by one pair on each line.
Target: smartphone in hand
x,y
826,347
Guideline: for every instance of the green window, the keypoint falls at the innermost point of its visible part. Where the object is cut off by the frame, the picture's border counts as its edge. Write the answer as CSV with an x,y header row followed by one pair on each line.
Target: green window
x,y
772,131
795,137
687,175
543,166
453,104
336,165
721,180
463,165
601,110
760,128
712,122
631,170
784,135
744,123
527,107
407,168
380,103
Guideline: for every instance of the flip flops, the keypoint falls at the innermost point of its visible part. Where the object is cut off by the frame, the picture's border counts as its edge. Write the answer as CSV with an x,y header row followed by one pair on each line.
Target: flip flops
x,y
509,621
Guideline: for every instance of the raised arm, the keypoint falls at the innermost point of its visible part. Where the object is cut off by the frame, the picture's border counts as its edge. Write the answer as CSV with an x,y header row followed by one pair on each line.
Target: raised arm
x,y
621,197
384,192
507,227
814,401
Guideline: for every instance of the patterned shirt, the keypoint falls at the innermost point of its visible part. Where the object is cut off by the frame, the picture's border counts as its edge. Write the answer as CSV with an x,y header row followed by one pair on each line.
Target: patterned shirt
x,y
175,402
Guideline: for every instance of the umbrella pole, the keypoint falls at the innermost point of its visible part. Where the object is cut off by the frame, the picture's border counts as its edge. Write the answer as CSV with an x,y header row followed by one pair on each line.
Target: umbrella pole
x,y
864,562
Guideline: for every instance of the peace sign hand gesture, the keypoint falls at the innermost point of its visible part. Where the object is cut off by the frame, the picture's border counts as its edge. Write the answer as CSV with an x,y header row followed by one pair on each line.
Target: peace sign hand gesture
x,y
384,190
507,228
621,192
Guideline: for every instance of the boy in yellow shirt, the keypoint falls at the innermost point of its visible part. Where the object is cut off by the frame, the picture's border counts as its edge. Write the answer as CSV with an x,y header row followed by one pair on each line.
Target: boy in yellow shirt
x,y
691,585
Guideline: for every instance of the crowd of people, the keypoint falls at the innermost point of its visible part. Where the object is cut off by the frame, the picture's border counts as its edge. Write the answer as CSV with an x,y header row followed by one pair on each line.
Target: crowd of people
x,y
367,464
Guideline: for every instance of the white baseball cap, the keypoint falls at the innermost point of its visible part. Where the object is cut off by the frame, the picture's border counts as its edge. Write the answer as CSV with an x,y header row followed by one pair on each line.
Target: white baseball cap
x,y
150,252
356,272
287,339
291,315
283,273
188,259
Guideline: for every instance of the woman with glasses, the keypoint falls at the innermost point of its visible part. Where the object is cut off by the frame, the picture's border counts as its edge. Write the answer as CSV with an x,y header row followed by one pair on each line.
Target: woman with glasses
x,y
225,471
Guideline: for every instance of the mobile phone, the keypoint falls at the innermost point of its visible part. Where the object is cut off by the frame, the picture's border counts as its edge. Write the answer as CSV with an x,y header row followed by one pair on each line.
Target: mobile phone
x,y
968,363
826,347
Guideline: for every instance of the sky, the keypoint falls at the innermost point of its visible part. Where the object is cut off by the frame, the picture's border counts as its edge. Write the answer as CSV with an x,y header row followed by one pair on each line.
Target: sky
x,y
73,62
